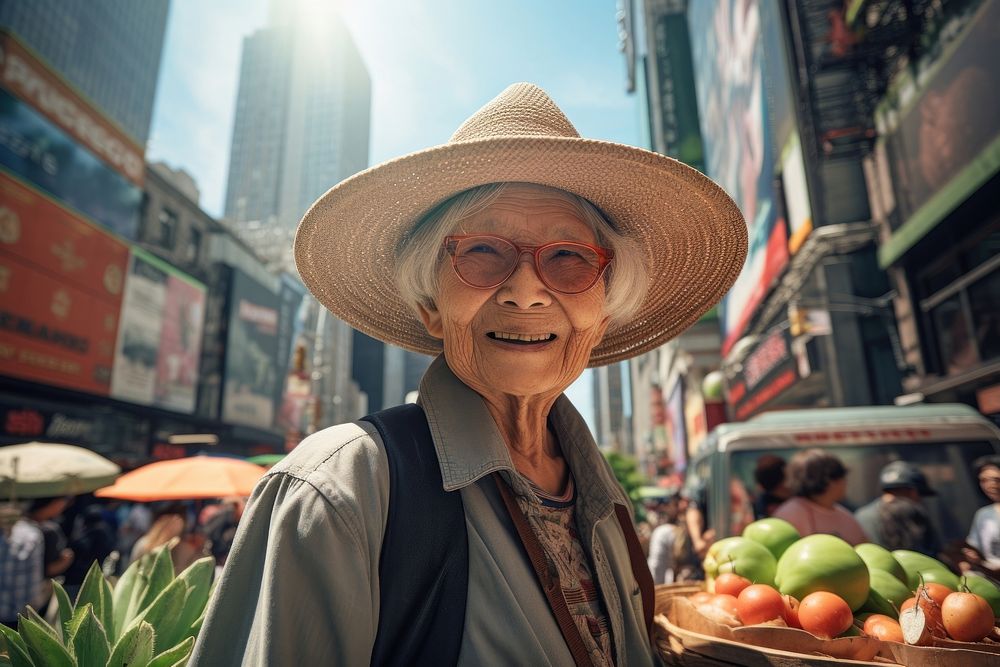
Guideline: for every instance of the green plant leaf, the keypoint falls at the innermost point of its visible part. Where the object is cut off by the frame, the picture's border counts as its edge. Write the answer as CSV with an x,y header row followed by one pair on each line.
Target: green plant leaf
x,y
128,593
33,616
4,660
76,621
198,577
93,591
196,626
65,604
135,648
90,641
165,614
160,576
107,618
17,650
43,646
175,656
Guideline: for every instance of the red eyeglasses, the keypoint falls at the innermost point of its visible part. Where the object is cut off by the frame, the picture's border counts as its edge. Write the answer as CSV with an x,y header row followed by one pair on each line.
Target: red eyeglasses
x,y
568,267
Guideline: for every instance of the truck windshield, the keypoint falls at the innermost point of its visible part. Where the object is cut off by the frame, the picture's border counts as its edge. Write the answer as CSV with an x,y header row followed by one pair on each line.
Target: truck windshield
x,y
947,466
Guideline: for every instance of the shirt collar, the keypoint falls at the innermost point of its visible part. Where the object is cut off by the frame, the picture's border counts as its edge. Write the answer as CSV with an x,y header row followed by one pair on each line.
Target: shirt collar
x,y
469,444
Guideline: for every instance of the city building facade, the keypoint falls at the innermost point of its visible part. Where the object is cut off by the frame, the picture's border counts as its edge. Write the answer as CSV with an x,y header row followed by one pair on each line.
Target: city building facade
x,y
108,50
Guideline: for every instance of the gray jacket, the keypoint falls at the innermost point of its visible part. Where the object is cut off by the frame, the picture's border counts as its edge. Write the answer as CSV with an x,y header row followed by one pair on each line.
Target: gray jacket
x,y
301,585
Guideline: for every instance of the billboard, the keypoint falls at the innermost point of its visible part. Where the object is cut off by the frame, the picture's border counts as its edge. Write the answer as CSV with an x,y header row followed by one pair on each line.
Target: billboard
x,y
28,79
159,338
784,125
677,105
951,118
35,149
61,283
251,374
294,388
180,344
737,138
134,376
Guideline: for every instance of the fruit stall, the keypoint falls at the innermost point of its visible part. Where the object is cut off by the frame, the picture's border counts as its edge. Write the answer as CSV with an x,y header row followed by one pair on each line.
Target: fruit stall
x,y
771,597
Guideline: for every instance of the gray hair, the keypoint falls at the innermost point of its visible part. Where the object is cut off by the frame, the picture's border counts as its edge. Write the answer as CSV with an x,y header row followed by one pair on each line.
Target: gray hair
x,y
626,279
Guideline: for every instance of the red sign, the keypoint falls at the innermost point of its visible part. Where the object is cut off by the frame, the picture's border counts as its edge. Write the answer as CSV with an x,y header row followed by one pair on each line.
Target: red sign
x,y
60,293
27,78
44,234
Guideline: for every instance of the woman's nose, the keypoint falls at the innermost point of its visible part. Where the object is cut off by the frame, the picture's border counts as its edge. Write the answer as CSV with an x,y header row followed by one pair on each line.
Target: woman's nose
x,y
524,288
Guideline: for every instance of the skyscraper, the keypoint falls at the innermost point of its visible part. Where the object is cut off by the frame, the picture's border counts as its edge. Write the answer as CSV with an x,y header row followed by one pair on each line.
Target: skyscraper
x,y
301,123
108,49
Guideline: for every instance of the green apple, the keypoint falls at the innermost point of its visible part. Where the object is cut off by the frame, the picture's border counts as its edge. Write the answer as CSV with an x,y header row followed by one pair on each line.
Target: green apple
x,y
876,604
775,534
986,588
917,564
742,556
879,558
888,586
823,563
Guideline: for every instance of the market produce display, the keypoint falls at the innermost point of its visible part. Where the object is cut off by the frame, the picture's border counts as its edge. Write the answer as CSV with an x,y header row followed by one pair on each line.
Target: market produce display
x,y
914,609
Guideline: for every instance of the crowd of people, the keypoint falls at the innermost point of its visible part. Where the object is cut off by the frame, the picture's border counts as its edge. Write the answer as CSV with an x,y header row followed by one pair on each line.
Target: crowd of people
x,y
808,491
60,539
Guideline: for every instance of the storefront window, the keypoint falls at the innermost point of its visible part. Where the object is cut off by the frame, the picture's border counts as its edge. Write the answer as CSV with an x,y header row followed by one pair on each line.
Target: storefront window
x,y
984,302
954,340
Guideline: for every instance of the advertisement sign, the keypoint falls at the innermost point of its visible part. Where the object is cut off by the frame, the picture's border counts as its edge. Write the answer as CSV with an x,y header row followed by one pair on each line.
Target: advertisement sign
x,y
122,438
676,427
61,283
736,133
138,347
952,118
30,80
159,339
180,343
294,387
678,105
251,375
767,371
33,148
784,125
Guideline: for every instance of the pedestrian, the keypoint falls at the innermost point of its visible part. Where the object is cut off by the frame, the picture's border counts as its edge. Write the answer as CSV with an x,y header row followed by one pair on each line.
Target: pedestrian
x,y
984,534
520,254
57,556
171,526
897,519
22,565
663,539
93,539
769,473
818,482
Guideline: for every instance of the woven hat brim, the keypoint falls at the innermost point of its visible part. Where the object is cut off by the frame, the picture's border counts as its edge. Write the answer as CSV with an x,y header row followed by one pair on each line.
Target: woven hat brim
x,y
693,234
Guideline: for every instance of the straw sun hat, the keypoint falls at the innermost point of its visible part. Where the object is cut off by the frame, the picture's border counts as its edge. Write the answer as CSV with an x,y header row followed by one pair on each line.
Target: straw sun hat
x,y
693,234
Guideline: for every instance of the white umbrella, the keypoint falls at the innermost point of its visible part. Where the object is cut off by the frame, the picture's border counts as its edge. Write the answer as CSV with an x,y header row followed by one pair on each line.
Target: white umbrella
x,y
45,469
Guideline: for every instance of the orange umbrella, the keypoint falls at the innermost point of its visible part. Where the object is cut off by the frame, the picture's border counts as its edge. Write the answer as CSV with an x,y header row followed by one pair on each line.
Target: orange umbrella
x,y
189,478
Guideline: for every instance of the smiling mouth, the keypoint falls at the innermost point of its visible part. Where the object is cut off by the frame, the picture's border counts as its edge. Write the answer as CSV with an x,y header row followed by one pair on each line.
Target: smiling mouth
x,y
521,339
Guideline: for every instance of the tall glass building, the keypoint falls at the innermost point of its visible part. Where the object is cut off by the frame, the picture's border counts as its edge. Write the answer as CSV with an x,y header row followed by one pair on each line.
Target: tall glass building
x,y
109,50
302,119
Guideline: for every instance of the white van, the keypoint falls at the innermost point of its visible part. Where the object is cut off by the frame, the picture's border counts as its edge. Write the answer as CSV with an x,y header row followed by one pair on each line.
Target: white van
x,y
941,439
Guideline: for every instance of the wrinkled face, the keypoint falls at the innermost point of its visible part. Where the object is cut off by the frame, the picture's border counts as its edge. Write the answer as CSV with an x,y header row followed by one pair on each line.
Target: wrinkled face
x,y
519,338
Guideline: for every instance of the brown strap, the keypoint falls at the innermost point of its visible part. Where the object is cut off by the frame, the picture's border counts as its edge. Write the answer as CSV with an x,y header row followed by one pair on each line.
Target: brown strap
x,y
548,580
640,567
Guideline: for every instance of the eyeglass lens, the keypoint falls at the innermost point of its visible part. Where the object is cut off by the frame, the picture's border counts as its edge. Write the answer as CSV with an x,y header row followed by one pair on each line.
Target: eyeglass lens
x,y
487,261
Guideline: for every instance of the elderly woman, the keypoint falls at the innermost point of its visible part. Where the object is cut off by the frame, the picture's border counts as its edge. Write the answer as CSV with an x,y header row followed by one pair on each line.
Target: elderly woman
x,y
818,481
520,254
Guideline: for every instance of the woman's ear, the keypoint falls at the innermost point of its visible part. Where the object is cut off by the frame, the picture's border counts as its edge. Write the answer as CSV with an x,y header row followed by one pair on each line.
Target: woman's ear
x,y
431,318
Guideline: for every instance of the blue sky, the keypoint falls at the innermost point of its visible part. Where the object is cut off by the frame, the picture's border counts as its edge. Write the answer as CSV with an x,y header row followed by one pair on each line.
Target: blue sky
x,y
432,64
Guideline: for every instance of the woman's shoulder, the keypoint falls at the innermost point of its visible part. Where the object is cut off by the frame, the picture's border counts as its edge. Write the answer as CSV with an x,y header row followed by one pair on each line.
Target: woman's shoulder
x,y
338,455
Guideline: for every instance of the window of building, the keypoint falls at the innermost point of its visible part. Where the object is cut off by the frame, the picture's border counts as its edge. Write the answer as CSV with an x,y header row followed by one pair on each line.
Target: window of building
x,y
168,228
960,299
194,245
